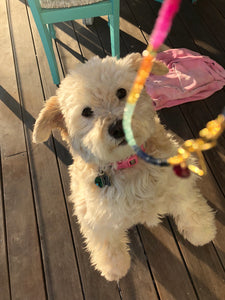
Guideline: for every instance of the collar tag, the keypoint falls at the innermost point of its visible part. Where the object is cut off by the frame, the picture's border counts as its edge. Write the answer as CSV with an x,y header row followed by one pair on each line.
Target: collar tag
x,y
129,162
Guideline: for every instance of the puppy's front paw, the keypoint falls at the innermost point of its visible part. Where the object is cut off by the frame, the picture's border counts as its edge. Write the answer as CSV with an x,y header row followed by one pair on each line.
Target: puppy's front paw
x,y
116,266
198,229
200,236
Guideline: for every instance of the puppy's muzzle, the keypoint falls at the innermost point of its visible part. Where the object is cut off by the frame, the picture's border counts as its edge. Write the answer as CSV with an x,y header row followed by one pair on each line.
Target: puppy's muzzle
x,y
116,130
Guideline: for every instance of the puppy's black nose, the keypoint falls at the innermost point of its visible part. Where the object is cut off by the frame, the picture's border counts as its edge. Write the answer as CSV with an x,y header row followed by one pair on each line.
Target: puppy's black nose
x,y
116,130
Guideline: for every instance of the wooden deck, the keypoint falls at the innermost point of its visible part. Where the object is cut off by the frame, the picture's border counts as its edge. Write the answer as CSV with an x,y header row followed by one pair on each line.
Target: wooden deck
x,y
42,253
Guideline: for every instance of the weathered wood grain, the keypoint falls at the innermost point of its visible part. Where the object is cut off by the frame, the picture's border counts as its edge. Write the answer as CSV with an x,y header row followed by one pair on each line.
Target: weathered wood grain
x,y
60,266
4,264
21,251
25,266
10,111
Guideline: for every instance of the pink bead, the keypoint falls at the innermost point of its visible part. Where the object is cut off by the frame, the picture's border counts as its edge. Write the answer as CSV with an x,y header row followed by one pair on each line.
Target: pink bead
x,y
164,22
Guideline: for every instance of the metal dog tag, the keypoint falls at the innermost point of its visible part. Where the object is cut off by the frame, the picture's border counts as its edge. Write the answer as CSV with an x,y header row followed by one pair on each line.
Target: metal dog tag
x,y
102,180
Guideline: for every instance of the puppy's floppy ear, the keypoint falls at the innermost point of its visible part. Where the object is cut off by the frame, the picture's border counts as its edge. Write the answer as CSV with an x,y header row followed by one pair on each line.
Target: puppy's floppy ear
x,y
159,68
134,60
49,118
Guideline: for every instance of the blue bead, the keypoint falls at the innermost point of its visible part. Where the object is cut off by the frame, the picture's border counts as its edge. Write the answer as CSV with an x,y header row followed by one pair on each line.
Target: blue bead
x,y
223,112
150,159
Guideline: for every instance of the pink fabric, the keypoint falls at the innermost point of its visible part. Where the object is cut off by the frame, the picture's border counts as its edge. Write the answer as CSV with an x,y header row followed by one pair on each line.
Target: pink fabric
x,y
191,77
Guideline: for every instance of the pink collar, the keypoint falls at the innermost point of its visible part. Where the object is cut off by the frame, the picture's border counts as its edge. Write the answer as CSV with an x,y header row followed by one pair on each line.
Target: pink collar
x,y
129,162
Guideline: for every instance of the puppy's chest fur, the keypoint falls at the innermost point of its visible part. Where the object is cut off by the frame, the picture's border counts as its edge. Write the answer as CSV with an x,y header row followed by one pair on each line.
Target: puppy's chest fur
x,y
132,192
133,184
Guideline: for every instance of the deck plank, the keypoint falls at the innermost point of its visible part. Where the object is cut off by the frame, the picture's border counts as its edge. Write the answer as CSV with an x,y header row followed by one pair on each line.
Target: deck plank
x,y
170,274
139,282
203,38
25,266
68,46
4,264
24,259
209,14
88,40
60,266
132,37
219,4
10,112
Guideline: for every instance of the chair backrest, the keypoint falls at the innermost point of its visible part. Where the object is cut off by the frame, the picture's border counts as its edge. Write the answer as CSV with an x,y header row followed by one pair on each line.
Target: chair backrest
x,y
46,17
65,3
49,16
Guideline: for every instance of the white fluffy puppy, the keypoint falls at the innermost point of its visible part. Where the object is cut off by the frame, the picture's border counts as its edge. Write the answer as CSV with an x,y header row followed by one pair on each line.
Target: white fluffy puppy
x,y
111,189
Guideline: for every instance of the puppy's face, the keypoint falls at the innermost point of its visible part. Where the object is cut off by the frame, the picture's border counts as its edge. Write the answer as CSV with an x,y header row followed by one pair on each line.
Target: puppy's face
x,y
89,109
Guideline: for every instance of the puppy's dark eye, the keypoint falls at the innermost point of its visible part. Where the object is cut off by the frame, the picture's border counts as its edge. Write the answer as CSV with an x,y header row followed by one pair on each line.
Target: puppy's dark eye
x,y
87,112
121,93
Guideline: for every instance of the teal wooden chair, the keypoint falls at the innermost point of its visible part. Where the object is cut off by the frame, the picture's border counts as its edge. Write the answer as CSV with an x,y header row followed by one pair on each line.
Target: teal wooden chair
x,y
46,17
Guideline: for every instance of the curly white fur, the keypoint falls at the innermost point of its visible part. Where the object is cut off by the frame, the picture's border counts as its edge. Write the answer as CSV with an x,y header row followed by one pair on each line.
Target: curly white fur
x,y
141,194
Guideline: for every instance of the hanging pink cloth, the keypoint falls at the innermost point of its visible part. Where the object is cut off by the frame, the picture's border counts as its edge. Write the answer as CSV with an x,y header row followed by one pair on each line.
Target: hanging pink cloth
x,y
191,77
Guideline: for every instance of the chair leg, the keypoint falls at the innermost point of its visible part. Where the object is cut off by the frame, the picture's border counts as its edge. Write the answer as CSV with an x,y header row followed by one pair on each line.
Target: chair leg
x,y
46,40
47,44
114,27
51,31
